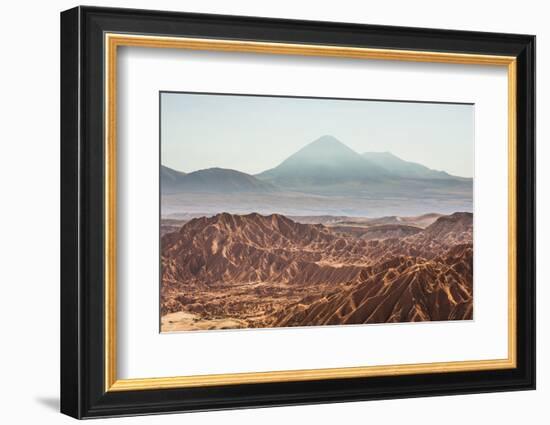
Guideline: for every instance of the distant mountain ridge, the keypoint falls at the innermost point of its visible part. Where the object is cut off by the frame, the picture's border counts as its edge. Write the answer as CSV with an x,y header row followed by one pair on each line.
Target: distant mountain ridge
x,y
325,165
405,169
170,179
213,180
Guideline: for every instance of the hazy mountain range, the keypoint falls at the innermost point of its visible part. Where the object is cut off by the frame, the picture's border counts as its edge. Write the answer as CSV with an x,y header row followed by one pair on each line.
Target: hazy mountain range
x,y
323,164
324,172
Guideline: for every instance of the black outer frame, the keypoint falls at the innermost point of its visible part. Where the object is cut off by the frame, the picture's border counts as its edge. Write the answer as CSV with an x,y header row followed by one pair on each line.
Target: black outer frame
x,y
82,207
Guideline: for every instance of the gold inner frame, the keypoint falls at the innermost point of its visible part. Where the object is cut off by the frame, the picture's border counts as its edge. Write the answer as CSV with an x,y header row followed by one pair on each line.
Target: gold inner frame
x,y
113,41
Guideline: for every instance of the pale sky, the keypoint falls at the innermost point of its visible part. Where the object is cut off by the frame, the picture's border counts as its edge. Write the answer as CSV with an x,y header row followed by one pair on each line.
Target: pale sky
x,y
252,134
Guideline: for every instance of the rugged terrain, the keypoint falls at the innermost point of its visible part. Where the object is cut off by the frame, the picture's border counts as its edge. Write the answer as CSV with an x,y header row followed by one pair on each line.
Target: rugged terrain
x,y
237,271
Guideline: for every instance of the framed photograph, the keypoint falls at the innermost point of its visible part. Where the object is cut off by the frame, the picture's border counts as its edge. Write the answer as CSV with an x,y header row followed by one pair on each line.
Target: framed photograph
x,y
261,212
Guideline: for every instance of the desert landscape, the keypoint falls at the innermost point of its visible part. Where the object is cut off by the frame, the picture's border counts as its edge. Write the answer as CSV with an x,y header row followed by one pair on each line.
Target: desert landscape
x,y
327,237
248,271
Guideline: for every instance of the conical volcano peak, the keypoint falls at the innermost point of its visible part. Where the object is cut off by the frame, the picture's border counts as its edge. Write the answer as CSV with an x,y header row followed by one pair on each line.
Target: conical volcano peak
x,y
327,140
324,162
326,147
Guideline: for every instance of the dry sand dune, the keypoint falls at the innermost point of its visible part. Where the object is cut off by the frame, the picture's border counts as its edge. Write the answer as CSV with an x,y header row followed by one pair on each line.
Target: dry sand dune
x,y
238,271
